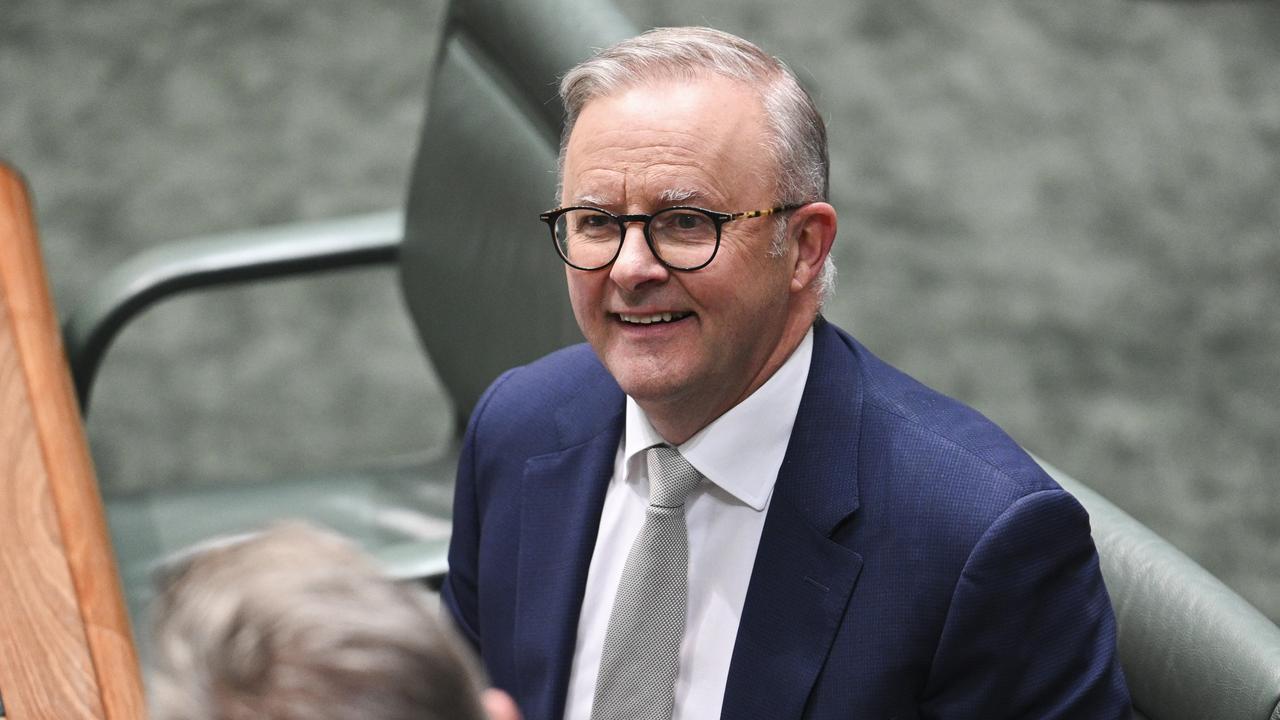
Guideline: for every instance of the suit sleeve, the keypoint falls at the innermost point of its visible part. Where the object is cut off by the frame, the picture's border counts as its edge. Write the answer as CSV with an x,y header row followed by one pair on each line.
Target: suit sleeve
x,y
1030,632
459,594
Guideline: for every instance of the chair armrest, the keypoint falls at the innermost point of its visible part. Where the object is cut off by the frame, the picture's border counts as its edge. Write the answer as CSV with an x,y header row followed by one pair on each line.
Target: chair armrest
x,y
425,562
174,268
1190,646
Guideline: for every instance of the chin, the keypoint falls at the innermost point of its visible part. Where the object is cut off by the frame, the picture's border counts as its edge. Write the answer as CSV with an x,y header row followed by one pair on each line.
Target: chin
x,y
646,388
646,383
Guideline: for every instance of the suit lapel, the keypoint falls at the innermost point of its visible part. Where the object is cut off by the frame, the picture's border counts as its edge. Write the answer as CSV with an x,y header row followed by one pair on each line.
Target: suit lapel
x,y
562,497
802,579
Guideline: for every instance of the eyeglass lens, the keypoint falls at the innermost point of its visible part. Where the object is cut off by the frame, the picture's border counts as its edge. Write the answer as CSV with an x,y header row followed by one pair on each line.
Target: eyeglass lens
x,y
681,237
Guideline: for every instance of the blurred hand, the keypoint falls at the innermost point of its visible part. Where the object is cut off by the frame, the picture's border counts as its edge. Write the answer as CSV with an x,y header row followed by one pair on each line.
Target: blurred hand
x,y
499,705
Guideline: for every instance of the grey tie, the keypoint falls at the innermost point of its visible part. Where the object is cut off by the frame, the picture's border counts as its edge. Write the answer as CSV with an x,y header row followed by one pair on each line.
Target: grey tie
x,y
641,655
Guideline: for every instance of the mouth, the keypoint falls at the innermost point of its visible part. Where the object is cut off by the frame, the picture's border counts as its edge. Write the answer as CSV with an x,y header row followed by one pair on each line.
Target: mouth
x,y
651,318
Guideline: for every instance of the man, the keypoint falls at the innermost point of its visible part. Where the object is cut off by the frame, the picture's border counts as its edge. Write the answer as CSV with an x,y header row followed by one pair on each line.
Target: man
x,y
725,506
297,624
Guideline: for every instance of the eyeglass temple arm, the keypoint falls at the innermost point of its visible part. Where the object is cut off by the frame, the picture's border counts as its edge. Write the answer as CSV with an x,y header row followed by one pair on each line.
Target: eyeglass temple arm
x,y
761,213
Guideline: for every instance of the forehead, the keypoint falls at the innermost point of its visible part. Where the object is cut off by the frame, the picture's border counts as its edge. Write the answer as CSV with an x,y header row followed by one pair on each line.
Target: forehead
x,y
698,140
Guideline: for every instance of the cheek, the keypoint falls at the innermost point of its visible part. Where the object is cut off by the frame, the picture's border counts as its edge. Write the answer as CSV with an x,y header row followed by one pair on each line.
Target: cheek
x,y
584,297
746,285
578,287
756,302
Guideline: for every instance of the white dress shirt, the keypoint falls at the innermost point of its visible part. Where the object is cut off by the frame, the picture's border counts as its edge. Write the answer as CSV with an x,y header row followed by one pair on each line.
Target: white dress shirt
x,y
739,453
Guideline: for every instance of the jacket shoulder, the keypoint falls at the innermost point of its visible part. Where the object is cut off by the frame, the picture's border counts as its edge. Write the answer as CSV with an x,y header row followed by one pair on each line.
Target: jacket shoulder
x,y
930,424
547,398
926,458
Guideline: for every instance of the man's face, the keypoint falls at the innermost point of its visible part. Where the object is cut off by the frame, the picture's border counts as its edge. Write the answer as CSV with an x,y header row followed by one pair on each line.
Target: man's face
x,y
681,143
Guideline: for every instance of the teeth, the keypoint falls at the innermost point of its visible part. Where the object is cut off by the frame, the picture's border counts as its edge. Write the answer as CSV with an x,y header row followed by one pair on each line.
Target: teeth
x,y
656,317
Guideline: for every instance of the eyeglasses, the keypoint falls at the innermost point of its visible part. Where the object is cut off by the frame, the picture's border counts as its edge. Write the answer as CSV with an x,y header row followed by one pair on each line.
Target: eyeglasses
x,y
682,238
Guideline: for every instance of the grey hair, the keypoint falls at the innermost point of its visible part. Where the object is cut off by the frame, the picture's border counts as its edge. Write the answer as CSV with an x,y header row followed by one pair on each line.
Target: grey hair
x,y
797,140
297,624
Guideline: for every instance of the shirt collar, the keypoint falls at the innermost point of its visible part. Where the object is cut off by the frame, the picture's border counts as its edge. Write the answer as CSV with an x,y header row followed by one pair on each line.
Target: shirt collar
x,y
742,450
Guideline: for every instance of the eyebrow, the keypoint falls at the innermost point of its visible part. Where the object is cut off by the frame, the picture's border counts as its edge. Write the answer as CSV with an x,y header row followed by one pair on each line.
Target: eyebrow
x,y
595,200
673,196
666,198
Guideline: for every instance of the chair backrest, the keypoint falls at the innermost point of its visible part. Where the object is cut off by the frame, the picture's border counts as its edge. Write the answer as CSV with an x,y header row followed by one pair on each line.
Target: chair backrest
x,y
1190,646
479,274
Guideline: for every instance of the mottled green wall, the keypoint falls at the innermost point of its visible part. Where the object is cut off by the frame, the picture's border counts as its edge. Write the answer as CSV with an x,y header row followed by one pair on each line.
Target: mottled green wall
x,y
1062,213
1067,215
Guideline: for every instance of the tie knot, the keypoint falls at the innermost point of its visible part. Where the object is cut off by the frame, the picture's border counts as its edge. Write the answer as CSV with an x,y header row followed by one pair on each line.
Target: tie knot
x,y
671,477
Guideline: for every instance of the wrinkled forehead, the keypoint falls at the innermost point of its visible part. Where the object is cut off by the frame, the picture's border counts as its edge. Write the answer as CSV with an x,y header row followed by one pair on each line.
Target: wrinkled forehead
x,y
669,141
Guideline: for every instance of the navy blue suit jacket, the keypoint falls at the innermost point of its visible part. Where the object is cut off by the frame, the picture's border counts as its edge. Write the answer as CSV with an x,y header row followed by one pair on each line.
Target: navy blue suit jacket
x,y
915,562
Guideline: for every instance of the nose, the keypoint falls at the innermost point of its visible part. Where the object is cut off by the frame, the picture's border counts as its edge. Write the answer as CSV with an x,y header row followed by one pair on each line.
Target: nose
x,y
636,265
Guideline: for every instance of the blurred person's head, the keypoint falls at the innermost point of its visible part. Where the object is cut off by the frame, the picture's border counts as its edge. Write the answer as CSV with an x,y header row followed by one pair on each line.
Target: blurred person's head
x,y
297,624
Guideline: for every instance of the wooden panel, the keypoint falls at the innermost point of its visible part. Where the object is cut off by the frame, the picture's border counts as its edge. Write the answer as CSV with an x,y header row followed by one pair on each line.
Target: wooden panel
x,y
65,647
45,668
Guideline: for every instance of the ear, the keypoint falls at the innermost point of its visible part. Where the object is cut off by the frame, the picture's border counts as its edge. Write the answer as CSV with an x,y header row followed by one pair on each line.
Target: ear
x,y
814,226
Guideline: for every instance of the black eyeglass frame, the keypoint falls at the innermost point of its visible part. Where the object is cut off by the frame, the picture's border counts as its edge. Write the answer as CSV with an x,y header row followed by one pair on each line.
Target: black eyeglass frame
x,y
550,217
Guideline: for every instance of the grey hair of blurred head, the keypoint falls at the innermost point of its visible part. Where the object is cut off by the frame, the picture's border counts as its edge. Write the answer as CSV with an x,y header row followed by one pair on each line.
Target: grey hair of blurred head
x,y
797,141
295,623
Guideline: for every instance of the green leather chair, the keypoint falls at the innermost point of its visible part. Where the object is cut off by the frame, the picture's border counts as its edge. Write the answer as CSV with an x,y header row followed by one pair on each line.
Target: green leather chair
x,y
486,293
479,277
1191,647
